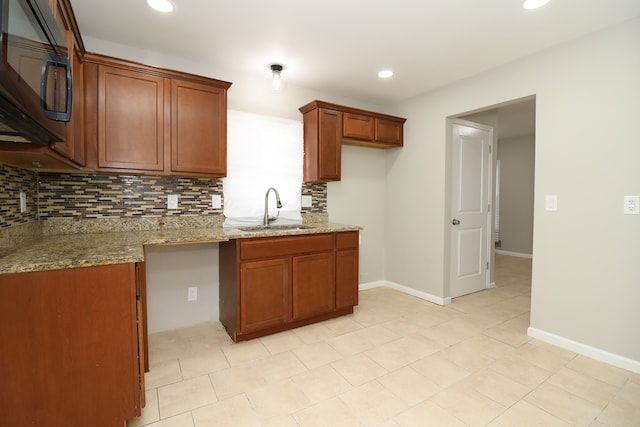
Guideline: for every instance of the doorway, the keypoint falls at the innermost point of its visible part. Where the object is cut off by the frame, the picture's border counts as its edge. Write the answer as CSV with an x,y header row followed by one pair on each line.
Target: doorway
x,y
511,224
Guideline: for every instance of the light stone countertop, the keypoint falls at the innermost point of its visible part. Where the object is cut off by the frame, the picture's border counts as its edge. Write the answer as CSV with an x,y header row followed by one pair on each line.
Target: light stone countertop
x,y
53,252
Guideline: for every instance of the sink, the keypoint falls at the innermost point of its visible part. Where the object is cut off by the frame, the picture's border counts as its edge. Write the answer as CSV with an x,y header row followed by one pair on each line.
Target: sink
x,y
284,227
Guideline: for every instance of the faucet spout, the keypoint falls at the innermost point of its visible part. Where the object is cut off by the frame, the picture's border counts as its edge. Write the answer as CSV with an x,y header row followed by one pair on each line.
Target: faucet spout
x,y
266,218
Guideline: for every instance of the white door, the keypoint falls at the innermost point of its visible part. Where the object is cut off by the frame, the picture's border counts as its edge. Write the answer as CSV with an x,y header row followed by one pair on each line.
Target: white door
x,y
470,226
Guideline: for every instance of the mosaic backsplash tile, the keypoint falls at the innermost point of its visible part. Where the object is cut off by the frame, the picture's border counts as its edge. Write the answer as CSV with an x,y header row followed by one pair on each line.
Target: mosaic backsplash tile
x,y
318,192
12,181
92,196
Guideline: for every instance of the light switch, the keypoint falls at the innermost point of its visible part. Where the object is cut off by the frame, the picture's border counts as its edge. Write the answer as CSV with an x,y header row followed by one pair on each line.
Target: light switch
x,y
172,201
216,201
551,203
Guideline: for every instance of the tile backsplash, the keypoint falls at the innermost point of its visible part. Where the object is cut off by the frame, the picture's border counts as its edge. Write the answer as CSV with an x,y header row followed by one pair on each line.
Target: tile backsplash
x,y
68,197
91,196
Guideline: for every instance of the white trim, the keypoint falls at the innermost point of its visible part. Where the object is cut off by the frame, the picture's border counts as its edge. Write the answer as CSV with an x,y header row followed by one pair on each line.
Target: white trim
x,y
518,254
404,289
586,350
491,285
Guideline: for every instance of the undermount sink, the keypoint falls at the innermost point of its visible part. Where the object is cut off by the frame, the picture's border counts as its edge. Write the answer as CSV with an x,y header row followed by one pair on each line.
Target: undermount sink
x,y
283,227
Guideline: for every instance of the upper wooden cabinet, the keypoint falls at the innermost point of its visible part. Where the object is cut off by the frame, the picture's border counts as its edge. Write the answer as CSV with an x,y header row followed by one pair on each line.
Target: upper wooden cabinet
x,y
327,126
73,146
198,128
322,149
148,120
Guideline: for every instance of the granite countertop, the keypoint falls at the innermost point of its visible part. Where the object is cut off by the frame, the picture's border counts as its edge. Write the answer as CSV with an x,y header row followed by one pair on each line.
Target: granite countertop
x,y
53,252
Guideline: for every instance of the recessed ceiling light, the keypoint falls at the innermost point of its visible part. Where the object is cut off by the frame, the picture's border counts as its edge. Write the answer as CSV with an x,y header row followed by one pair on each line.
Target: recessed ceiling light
x,y
164,6
385,74
534,4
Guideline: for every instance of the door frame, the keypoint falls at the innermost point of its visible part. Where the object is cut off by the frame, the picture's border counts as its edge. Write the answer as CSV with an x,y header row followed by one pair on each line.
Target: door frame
x,y
450,121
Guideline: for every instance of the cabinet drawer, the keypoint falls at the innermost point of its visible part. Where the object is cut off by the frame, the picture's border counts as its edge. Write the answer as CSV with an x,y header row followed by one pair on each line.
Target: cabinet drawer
x,y
267,247
347,240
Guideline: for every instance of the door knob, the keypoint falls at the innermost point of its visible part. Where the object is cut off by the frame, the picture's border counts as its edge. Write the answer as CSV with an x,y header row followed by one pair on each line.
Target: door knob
x,y
455,222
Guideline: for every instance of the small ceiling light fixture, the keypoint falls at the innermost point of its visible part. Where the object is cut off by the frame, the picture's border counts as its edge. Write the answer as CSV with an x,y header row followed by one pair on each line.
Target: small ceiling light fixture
x,y
164,6
276,79
534,4
385,74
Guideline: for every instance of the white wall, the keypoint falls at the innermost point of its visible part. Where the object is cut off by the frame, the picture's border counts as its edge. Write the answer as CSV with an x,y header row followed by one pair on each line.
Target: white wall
x,y
586,274
358,199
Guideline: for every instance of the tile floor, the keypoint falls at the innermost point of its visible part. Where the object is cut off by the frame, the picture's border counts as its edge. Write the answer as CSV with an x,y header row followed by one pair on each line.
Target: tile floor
x,y
397,361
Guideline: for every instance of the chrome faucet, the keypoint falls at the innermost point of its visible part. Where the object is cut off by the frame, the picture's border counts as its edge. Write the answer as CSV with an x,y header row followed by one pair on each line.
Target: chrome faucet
x,y
266,220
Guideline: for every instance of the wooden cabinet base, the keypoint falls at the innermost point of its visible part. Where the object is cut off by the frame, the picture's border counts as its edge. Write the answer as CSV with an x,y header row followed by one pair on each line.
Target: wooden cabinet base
x,y
70,354
274,284
236,337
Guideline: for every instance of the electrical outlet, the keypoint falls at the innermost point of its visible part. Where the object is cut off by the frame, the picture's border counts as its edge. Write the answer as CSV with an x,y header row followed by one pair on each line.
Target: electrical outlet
x,y
551,203
23,202
632,205
307,201
172,201
192,293
216,201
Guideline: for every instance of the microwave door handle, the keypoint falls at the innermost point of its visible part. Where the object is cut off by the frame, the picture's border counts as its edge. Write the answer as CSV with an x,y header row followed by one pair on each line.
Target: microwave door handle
x,y
58,62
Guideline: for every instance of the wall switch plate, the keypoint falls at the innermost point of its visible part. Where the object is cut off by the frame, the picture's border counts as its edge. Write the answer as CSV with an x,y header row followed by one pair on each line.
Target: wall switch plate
x,y
23,202
192,293
216,201
551,203
632,205
172,201
307,201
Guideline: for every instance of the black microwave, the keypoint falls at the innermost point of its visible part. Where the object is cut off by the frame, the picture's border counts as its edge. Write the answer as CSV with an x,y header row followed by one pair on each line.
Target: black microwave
x,y
35,74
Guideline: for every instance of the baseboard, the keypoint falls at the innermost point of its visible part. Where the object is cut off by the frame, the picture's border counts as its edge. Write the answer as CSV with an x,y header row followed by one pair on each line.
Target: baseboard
x,y
404,289
518,254
586,350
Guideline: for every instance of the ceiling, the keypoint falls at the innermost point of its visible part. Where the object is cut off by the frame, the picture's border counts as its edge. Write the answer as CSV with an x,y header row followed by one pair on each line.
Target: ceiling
x,y
338,46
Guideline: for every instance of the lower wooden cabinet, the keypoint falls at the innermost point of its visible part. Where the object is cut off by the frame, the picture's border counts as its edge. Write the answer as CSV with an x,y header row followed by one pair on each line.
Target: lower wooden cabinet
x,y
271,284
71,347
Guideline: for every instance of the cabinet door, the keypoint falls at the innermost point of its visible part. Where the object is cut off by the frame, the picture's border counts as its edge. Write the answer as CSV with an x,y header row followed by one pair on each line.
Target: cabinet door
x,y
322,145
130,120
264,294
346,278
70,348
388,131
313,288
357,126
198,128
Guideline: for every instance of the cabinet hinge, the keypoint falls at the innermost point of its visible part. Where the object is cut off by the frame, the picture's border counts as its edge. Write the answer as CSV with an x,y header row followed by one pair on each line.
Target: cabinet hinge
x,y
490,148
487,265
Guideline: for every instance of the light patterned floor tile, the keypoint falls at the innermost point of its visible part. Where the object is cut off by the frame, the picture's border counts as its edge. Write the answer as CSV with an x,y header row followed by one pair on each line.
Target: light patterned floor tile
x,y
359,369
150,412
409,385
496,387
331,412
316,354
280,366
373,404
440,370
350,344
564,405
321,383
521,371
185,396
163,373
599,370
584,386
428,414
403,351
182,420
203,362
281,342
243,352
524,414
277,400
239,379
466,404
233,412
